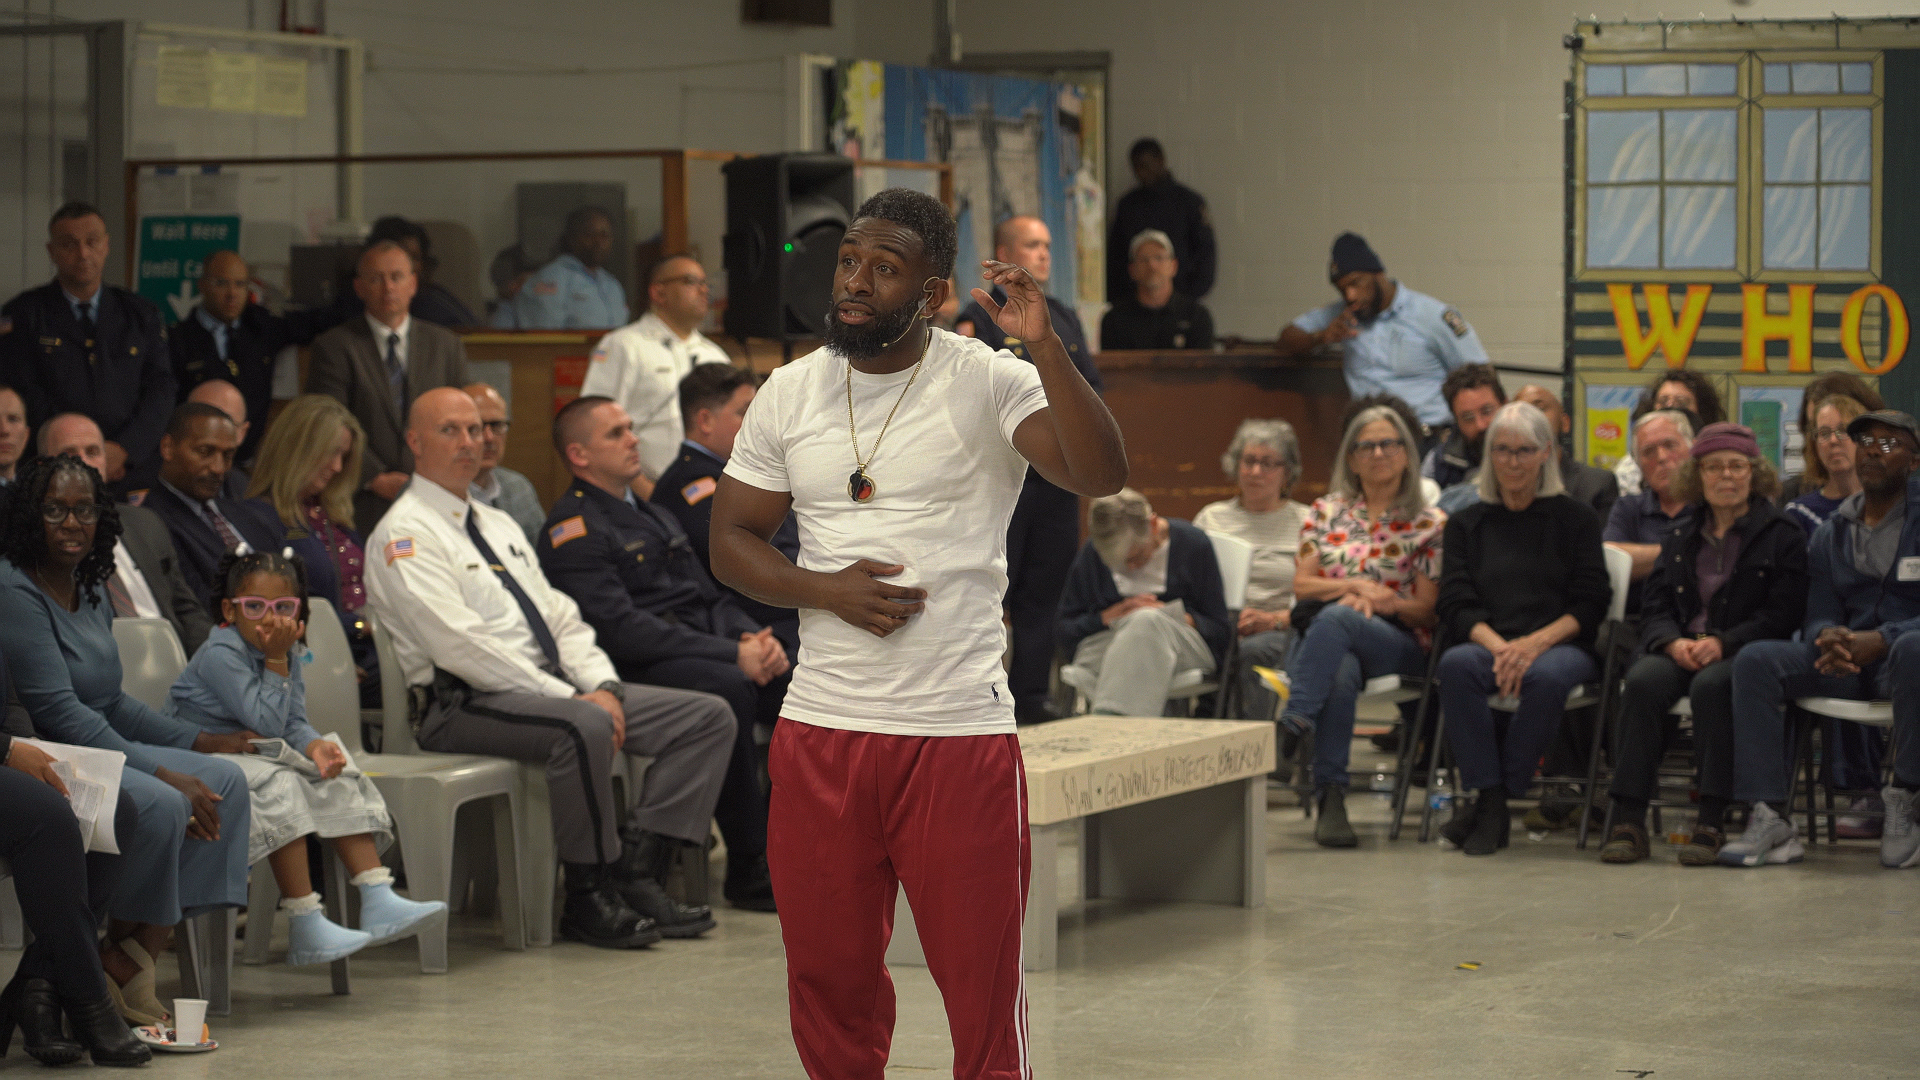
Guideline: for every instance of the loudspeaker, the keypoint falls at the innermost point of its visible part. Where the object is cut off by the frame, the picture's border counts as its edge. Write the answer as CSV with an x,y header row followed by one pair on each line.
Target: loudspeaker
x,y
786,214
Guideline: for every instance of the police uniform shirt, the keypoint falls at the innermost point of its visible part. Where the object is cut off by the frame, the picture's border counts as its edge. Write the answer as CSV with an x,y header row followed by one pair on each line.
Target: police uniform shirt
x,y
1066,324
119,375
1180,323
566,295
448,609
640,366
1407,350
637,580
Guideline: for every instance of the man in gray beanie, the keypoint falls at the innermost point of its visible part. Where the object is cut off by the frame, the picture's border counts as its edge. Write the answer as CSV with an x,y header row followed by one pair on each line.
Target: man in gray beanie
x,y
1394,340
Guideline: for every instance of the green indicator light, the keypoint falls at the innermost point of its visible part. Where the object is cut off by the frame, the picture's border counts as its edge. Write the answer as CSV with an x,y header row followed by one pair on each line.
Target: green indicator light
x,y
789,247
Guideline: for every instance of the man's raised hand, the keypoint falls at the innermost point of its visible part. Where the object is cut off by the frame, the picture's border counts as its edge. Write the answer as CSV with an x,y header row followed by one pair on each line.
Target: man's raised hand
x,y
1025,314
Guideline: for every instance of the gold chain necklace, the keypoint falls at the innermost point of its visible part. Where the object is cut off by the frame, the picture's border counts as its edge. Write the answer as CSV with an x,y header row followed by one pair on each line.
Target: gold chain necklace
x,y
860,486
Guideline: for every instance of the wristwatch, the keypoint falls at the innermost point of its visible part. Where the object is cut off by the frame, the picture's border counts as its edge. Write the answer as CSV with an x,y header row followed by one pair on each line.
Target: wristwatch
x,y
617,689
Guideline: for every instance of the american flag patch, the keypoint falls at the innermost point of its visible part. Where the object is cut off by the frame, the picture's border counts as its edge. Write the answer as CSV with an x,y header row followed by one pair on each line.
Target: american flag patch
x,y
699,489
573,528
400,549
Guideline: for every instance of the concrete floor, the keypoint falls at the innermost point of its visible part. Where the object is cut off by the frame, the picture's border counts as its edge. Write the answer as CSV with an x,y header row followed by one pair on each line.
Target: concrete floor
x,y
1587,970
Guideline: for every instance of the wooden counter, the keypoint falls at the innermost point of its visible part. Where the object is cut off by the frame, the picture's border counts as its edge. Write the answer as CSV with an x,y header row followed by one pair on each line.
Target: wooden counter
x,y
1177,409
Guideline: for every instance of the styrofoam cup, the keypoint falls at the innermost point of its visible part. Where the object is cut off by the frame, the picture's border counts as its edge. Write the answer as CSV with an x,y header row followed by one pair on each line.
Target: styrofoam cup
x,y
189,1021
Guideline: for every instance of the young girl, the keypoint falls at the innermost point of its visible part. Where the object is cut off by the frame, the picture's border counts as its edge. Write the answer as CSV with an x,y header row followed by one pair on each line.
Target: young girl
x,y
246,678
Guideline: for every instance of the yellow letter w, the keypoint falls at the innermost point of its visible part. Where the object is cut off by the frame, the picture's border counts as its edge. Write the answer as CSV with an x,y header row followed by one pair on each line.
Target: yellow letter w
x,y
1675,341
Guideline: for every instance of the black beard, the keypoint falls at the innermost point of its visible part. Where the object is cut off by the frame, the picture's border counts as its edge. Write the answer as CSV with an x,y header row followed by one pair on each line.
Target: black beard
x,y
868,341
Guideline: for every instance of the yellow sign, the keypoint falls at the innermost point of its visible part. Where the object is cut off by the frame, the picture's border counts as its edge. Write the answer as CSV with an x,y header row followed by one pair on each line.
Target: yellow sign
x,y
1674,337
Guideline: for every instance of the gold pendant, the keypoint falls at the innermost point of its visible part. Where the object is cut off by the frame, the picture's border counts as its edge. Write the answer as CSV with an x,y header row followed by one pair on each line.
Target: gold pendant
x,y
860,486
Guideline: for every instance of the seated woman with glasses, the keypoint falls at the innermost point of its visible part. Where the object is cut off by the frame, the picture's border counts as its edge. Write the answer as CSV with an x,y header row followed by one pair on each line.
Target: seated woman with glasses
x,y
246,679
1367,571
188,851
1733,572
1523,589
1264,460
307,473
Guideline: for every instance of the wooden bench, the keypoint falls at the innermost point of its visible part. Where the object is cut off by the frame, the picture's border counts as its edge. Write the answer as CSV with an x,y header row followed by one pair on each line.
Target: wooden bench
x,y
1165,809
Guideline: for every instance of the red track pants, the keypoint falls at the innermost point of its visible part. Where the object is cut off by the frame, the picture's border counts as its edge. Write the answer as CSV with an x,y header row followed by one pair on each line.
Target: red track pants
x,y
855,816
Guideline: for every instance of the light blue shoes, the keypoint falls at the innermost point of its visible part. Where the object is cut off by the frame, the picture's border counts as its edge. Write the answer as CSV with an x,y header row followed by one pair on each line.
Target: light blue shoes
x,y
315,939
388,916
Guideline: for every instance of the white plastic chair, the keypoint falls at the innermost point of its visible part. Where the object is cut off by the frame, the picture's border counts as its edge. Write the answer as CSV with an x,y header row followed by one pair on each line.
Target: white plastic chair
x,y
424,790
1871,713
150,660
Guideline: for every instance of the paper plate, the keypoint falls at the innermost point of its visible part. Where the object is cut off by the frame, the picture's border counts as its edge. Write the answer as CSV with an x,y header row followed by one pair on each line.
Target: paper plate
x,y
161,1039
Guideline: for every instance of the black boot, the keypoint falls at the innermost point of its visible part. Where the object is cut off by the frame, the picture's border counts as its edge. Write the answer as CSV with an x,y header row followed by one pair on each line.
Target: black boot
x,y
1457,828
98,1025
641,874
29,1003
1332,829
749,884
595,913
1491,822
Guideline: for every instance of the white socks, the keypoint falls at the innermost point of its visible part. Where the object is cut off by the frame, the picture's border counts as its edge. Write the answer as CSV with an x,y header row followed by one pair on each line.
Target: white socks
x,y
379,875
300,905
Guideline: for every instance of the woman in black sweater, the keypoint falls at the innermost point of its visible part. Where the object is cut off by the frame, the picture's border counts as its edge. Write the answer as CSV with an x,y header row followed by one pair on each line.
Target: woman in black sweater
x,y
1734,572
1523,586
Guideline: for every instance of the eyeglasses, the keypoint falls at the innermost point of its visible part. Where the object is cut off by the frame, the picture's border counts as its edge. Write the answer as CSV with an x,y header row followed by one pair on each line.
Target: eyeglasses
x,y
1484,412
1268,464
1884,444
84,513
255,607
1383,447
1727,468
691,281
1830,434
1516,453
1674,401
497,428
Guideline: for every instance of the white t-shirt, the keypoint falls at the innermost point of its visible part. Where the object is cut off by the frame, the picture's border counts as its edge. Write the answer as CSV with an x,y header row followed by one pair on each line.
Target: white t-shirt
x,y
947,477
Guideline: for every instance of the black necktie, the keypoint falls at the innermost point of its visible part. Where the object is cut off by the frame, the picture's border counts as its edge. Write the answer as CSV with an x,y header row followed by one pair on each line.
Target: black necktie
x,y
396,374
534,622
88,328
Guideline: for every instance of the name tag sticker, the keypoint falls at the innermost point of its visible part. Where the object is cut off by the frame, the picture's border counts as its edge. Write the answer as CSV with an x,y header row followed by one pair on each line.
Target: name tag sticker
x,y
1910,568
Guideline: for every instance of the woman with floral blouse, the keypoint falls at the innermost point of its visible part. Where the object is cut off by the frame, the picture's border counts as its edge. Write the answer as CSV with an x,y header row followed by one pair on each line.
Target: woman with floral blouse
x,y
1370,553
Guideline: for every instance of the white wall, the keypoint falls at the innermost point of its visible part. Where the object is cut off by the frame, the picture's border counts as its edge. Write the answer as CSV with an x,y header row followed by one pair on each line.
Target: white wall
x,y
1432,129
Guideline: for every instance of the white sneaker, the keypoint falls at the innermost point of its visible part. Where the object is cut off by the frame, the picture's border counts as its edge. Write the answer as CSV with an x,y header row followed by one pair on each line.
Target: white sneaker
x,y
1769,839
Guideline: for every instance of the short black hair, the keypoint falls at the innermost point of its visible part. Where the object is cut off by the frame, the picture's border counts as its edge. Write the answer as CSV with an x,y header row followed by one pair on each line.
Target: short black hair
x,y
925,217
578,217
1472,377
709,386
185,413
1148,145
1704,394
77,208
399,230
235,568
566,422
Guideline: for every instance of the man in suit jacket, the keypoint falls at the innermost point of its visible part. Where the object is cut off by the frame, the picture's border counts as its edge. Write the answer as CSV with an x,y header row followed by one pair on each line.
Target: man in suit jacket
x,y
1598,488
227,336
195,454
80,345
377,365
147,581
713,402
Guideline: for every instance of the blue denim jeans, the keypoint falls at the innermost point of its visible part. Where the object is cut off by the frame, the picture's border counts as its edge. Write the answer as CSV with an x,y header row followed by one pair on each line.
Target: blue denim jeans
x,y
1341,650
1466,682
1770,674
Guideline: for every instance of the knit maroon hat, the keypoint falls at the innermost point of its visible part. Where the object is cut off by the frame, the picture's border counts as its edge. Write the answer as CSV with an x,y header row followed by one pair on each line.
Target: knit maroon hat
x,y
1725,436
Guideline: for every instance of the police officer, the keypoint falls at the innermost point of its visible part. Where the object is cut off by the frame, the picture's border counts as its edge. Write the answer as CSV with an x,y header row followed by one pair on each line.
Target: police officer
x,y
507,668
1396,341
1044,535
80,345
230,338
641,364
575,291
661,617
713,403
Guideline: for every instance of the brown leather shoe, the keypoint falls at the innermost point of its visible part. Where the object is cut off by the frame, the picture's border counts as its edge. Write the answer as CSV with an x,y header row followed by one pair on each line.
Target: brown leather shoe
x,y
1704,848
1626,843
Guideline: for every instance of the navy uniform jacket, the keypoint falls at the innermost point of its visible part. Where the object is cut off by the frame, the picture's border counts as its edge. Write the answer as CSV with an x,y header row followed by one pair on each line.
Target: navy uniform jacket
x,y
637,581
1066,323
123,382
685,490
199,546
251,348
1174,209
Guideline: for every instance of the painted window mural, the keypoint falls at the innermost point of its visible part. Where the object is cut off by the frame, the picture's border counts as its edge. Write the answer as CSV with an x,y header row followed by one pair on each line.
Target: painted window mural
x,y
1727,214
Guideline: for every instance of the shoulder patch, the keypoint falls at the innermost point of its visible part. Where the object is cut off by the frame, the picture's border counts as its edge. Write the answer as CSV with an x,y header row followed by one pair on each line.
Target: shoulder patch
x,y
400,549
136,498
573,528
545,288
597,355
699,489
1455,322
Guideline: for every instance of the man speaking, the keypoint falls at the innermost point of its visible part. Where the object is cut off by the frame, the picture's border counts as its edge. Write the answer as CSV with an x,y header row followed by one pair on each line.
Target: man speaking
x,y
901,449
